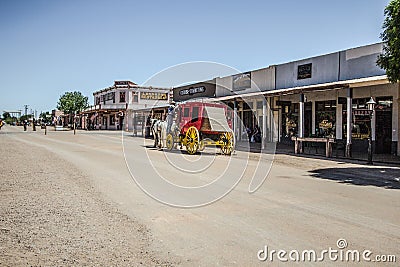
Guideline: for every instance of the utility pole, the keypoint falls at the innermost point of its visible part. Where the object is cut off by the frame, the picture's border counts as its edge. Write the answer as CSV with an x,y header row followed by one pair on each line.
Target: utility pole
x,y
74,122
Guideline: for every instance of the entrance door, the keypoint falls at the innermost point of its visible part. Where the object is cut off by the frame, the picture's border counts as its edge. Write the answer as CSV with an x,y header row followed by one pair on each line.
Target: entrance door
x,y
248,118
308,119
105,124
383,131
383,128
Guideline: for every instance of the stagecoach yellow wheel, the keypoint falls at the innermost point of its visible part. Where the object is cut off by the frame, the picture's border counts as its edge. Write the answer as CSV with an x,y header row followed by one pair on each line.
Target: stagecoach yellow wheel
x,y
170,141
192,140
227,146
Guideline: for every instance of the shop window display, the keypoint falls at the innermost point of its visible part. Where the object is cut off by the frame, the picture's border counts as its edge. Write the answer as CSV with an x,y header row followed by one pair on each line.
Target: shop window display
x,y
325,118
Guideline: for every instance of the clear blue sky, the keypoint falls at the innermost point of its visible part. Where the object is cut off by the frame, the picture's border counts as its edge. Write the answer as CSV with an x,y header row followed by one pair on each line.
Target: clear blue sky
x,y
49,47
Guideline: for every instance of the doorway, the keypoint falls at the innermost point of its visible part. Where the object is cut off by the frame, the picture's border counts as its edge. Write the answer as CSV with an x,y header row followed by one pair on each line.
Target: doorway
x,y
383,126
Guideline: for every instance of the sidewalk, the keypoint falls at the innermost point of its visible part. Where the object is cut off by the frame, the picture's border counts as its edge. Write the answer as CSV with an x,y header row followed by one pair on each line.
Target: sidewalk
x,y
289,150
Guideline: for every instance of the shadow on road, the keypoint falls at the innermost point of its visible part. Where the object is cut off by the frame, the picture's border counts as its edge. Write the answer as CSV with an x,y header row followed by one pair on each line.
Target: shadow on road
x,y
381,177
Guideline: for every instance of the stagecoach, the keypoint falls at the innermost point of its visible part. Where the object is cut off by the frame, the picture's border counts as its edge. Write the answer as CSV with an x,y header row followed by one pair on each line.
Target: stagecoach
x,y
200,124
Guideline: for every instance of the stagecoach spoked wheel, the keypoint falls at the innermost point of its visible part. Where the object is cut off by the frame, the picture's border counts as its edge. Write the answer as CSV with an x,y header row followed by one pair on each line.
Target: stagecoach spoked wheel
x,y
170,141
227,146
192,140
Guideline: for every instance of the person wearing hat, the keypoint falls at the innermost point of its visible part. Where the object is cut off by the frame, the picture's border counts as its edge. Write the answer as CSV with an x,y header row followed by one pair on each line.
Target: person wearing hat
x,y
170,117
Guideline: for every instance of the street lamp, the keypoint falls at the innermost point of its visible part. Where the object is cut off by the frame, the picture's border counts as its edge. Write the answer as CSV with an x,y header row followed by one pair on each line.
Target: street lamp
x,y
371,107
371,104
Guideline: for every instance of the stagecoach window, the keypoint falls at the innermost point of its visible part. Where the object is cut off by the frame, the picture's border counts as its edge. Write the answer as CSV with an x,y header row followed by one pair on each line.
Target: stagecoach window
x,y
186,112
195,112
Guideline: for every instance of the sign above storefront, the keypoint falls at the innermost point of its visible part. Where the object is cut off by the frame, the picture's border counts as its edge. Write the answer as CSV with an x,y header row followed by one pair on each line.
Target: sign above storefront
x,y
304,71
241,81
203,89
153,96
124,83
192,90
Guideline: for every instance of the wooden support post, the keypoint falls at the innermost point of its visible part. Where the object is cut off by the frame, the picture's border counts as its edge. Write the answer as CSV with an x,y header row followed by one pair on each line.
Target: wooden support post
x,y
296,146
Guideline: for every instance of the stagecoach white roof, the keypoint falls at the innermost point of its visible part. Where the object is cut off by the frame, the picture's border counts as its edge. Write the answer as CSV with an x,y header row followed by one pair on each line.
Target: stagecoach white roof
x,y
217,119
375,80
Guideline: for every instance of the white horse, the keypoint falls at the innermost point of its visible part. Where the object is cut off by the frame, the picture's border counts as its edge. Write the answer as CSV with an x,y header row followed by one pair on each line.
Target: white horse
x,y
159,129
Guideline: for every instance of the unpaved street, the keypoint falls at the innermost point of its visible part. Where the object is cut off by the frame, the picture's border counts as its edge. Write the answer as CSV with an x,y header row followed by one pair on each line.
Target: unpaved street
x,y
70,200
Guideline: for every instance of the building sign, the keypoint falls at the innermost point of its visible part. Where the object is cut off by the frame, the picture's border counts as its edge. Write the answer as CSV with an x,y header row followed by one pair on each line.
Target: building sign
x,y
203,89
121,82
153,96
192,90
124,83
325,124
304,71
241,81
362,112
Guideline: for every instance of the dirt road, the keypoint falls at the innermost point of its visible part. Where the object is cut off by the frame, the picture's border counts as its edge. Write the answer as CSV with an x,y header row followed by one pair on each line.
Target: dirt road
x,y
70,200
51,215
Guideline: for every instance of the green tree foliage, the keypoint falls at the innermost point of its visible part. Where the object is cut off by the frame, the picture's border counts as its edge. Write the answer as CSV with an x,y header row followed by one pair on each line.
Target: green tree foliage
x,y
72,102
45,117
25,117
8,119
6,115
389,60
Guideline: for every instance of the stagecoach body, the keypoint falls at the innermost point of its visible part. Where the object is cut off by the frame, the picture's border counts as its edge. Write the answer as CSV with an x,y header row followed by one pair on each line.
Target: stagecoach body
x,y
201,124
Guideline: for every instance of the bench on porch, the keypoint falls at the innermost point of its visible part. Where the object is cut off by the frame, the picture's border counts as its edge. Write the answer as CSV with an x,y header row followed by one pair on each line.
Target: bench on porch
x,y
298,144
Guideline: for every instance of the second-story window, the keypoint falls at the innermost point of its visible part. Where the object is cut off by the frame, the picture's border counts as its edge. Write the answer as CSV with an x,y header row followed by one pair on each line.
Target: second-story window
x,y
122,97
135,97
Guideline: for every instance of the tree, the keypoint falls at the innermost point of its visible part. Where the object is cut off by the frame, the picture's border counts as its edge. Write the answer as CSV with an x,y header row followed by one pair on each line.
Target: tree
x,y
8,119
45,117
72,102
6,115
389,60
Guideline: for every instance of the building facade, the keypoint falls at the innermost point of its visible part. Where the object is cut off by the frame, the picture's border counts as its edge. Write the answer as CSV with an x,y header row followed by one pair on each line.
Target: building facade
x,y
115,107
316,97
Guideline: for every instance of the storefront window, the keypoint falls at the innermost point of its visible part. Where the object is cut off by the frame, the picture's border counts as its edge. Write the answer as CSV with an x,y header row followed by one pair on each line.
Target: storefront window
x,y
361,119
135,97
325,118
290,119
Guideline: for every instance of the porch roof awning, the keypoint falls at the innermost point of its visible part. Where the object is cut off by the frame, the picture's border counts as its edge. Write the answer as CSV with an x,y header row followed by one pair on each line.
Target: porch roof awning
x,y
376,80
163,106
